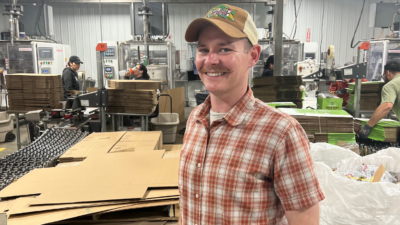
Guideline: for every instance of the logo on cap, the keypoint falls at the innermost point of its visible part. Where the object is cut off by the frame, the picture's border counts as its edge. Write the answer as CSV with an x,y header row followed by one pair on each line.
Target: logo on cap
x,y
222,11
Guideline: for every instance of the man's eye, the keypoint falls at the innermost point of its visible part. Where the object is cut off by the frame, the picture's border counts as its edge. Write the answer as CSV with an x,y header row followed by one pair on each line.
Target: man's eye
x,y
203,50
225,50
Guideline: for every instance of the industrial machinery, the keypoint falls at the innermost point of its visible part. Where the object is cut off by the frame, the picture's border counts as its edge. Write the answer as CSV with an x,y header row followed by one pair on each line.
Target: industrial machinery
x,y
111,61
159,55
292,52
40,57
380,52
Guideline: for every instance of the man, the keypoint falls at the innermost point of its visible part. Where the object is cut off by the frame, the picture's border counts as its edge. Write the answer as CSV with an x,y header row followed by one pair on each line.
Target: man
x,y
242,162
137,73
389,100
70,76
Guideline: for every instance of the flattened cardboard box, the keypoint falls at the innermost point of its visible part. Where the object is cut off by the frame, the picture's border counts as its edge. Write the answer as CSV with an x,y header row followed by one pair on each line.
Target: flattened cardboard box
x,y
102,143
172,147
134,84
95,143
101,177
139,141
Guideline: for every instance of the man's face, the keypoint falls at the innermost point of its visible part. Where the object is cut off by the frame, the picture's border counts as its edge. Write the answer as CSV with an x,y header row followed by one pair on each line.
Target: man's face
x,y
223,62
385,76
136,71
75,66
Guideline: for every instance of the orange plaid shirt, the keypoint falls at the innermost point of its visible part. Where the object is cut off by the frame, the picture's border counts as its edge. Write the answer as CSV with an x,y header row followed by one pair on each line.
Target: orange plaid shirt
x,y
247,168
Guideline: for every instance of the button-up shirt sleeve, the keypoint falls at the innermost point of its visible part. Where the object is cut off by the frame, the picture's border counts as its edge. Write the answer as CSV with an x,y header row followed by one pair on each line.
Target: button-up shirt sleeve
x,y
295,182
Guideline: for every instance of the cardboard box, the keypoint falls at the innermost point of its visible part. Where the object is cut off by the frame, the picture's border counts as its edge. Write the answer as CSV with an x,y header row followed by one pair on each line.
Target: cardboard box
x,y
134,84
139,141
330,103
178,102
172,147
105,142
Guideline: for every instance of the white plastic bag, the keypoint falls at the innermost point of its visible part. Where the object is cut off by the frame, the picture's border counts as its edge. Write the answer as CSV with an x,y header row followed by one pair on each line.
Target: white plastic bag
x,y
352,202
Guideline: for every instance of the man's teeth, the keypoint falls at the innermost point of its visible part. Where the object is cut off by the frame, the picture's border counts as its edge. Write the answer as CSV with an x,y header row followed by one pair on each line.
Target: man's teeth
x,y
215,74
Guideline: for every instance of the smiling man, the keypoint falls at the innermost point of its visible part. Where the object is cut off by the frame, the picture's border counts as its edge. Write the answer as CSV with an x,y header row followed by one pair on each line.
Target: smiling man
x,y
242,162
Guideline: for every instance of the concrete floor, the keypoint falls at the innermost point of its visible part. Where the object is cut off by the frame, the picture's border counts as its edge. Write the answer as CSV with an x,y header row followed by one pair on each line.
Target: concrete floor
x,y
7,148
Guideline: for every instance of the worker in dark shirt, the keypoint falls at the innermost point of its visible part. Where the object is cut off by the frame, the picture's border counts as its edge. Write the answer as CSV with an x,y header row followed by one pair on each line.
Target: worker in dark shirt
x,y
70,76
137,73
269,67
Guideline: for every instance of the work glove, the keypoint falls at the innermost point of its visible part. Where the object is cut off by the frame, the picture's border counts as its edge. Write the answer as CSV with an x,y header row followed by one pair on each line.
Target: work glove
x,y
364,131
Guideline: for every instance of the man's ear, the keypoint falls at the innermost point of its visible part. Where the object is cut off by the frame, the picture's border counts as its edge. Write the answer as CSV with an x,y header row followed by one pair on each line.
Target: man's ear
x,y
254,52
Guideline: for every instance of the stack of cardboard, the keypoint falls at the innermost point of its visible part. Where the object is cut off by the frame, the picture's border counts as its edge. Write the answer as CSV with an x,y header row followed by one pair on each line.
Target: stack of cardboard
x,y
130,96
28,92
108,186
324,125
385,130
279,89
370,95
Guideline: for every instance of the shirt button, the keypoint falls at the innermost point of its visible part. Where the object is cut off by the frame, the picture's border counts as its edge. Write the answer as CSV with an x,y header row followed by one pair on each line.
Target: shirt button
x,y
199,165
197,196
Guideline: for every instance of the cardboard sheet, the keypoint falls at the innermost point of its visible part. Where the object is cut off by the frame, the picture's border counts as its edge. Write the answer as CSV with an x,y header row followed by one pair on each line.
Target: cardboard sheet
x,y
172,147
58,215
95,143
101,177
139,141
178,102
22,206
5,205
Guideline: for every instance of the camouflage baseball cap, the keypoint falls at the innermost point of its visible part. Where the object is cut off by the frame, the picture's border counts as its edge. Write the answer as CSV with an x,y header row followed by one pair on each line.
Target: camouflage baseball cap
x,y
233,21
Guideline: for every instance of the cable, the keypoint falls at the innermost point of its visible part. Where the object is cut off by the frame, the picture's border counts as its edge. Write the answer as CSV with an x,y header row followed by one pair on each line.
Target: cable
x,y
381,33
359,19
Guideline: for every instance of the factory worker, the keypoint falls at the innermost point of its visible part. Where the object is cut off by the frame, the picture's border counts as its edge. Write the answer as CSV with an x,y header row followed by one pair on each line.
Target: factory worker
x,y
137,73
269,67
389,98
242,161
70,76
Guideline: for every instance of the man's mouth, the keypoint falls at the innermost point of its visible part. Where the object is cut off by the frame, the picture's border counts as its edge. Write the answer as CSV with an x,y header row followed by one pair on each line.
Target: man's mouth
x,y
213,74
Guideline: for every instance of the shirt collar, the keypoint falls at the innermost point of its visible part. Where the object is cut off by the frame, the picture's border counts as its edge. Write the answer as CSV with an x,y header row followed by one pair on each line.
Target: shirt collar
x,y
237,114
397,76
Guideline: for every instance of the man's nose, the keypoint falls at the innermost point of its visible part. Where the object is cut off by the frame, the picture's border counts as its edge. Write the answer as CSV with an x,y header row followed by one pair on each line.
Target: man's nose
x,y
212,59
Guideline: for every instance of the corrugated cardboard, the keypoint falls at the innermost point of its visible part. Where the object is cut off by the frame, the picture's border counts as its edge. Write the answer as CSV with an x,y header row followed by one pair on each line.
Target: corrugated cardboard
x,y
139,141
58,215
101,177
172,154
134,84
172,147
178,102
95,143
22,206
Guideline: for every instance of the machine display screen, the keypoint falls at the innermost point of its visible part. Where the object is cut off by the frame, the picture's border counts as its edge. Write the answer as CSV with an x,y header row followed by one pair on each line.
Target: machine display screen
x,y
108,69
310,56
110,52
46,53
45,71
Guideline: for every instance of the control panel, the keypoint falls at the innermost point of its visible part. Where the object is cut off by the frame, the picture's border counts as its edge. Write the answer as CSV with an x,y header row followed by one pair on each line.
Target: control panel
x,y
158,73
45,70
304,69
109,72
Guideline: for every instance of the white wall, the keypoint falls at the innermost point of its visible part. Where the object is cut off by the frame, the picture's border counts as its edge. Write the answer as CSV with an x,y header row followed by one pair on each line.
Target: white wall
x,y
78,25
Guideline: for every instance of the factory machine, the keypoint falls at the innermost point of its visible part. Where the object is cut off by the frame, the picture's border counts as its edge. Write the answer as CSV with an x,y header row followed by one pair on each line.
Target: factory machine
x,y
380,52
41,57
158,55
293,52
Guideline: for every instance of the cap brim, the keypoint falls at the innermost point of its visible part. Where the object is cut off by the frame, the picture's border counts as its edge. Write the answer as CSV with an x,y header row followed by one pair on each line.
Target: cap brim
x,y
194,28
